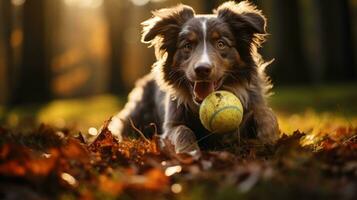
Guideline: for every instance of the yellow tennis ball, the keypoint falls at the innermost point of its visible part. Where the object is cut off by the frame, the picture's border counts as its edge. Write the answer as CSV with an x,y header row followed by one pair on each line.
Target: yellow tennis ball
x,y
221,112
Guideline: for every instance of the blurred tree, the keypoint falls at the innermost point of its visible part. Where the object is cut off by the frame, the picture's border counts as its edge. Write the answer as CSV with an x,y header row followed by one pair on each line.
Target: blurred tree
x,y
312,43
336,36
209,5
34,82
5,50
116,13
290,65
353,14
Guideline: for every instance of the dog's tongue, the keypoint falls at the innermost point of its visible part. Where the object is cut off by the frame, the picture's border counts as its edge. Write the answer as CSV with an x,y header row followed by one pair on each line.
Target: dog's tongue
x,y
202,90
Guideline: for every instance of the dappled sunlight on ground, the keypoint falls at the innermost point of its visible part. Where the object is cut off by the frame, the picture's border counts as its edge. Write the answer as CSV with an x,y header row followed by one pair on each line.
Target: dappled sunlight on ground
x,y
313,122
92,112
79,114
316,125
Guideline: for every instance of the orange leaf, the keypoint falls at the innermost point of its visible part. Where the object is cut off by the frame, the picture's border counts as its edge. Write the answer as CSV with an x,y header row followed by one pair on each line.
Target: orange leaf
x,y
110,186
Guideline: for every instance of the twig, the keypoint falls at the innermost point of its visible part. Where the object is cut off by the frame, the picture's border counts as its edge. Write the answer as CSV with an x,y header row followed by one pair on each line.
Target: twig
x,y
137,130
155,128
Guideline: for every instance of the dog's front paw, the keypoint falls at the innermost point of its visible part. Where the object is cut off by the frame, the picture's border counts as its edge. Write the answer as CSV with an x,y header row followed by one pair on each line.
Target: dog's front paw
x,y
184,140
267,126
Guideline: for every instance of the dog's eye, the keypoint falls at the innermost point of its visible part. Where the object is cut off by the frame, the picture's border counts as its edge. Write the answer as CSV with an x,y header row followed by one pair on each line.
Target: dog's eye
x,y
220,44
187,47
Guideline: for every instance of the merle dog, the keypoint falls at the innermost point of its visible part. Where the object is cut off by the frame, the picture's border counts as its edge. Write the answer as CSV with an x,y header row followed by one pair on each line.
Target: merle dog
x,y
196,55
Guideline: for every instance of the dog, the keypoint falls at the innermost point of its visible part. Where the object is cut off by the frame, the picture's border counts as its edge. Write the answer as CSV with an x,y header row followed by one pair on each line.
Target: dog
x,y
196,55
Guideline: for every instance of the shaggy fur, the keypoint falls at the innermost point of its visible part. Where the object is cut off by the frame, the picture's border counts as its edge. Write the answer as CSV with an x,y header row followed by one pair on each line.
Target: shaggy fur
x,y
219,50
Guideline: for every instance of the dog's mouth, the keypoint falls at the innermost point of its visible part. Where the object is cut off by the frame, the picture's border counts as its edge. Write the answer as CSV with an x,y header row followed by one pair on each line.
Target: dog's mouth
x,y
201,89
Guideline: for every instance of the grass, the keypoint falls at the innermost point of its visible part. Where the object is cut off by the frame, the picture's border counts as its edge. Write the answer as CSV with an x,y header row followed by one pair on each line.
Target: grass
x,y
74,113
328,98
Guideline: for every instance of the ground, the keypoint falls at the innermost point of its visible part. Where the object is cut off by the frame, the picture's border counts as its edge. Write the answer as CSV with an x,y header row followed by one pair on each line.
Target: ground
x,y
57,151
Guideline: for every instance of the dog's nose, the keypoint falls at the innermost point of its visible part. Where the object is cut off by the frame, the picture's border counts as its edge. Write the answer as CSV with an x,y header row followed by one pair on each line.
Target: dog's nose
x,y
203,70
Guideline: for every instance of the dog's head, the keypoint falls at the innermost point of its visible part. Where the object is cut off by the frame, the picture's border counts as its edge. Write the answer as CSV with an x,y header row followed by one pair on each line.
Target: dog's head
x,y
198,54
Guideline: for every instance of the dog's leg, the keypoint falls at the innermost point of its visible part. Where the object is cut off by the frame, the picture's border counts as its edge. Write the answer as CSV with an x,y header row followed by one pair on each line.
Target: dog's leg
x,y
176,131
266,124
260,118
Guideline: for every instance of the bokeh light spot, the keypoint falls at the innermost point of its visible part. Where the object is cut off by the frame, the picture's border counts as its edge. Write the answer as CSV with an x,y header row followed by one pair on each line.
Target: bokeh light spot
x,y
68,178
173,170
176,188
140,2
18,2
92,131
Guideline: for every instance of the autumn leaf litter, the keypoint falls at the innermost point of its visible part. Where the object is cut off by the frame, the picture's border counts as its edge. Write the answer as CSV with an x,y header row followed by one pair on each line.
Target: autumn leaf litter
x,y
48,163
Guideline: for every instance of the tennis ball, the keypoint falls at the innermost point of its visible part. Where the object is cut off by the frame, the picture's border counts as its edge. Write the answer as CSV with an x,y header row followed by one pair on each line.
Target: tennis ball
x,y
221,112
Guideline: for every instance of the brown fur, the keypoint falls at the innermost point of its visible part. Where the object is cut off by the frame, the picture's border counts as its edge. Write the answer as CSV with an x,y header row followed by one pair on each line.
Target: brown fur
x,y
165,97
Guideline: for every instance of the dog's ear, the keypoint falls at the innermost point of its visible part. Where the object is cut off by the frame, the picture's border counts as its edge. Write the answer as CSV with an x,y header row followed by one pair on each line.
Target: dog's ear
x,y
248,25
166,23
242,17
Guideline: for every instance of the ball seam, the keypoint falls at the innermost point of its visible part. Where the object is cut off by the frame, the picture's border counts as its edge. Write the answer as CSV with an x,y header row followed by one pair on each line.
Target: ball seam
x,y
220,110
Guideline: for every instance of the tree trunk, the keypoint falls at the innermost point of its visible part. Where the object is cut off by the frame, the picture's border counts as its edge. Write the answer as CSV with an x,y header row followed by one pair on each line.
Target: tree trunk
x,y
116,13
337,43
6,53
34,80
289,66
312,42
209,5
